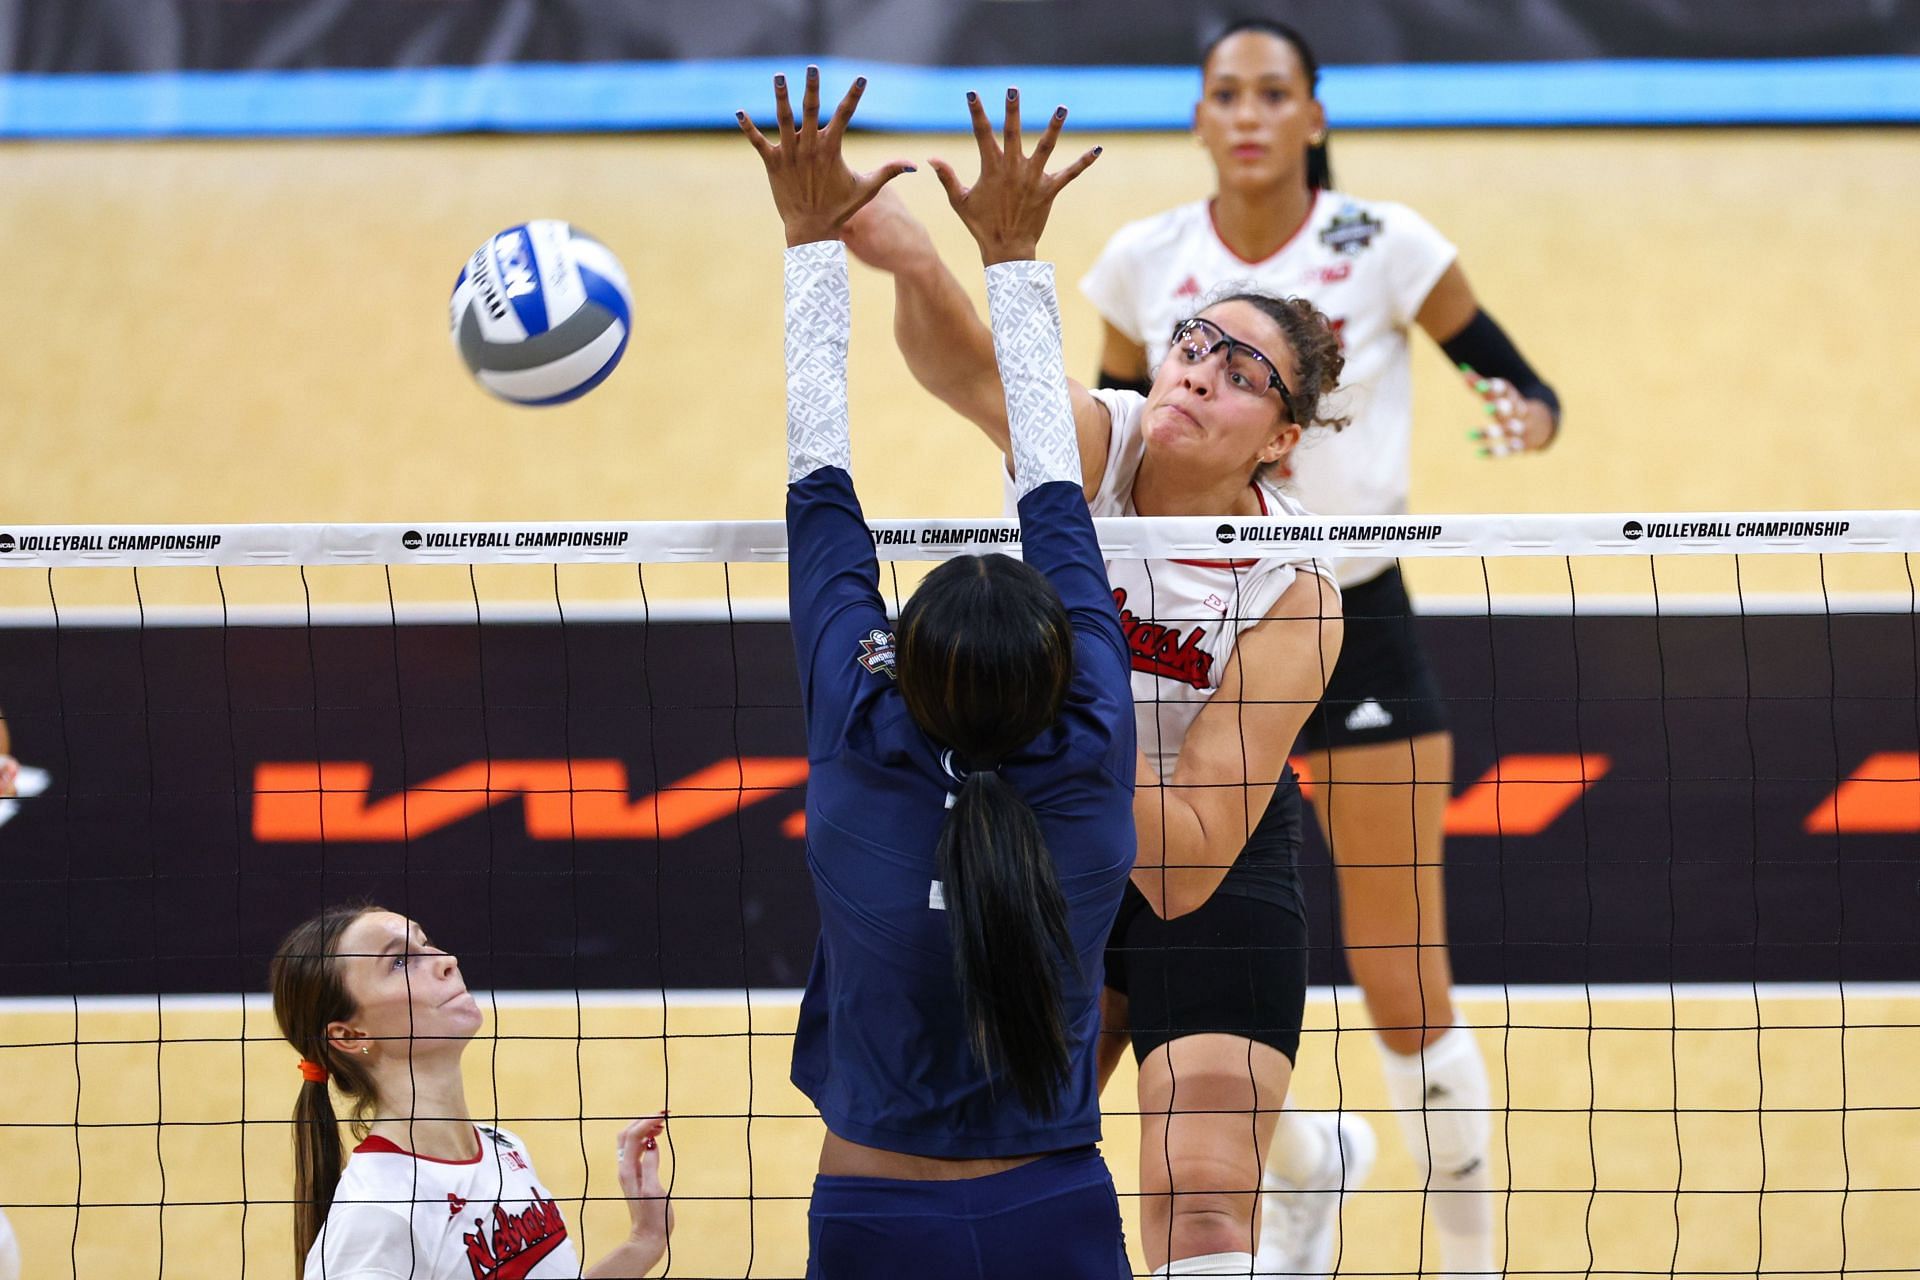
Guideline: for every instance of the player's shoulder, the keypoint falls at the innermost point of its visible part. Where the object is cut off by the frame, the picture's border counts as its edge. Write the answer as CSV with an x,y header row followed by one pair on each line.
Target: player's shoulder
x,y
1159,232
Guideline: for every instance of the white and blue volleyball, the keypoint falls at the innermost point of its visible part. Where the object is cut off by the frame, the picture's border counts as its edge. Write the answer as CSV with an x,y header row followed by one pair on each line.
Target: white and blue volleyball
x,y
541,313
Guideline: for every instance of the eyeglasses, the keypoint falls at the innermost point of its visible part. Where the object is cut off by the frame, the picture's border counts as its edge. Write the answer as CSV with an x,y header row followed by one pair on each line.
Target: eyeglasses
x,y
1247,369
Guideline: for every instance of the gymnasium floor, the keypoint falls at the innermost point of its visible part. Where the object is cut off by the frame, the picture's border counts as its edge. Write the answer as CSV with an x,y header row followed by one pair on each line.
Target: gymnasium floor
x,y
1605,1179
212,332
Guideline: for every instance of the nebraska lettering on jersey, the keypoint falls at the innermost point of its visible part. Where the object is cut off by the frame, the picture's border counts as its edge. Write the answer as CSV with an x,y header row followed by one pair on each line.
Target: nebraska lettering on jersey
x,y
515,1241
1160,651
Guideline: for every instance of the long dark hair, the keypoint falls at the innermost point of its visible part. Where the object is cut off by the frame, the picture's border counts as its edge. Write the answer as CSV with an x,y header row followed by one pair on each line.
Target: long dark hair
x,y
1319,163
985,657
308,993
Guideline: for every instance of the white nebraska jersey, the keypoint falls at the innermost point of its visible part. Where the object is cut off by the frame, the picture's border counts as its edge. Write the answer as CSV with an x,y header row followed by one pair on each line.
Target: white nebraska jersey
x,y
1368,264
398,1216
1182,617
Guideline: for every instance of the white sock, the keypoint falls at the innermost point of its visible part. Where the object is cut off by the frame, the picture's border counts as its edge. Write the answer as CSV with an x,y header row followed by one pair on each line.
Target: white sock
x,y
1210,1264
1299,1146
1444,1105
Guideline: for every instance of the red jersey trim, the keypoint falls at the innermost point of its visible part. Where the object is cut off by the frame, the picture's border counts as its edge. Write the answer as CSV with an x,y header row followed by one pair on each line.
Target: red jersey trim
x,y
1286,244
374,1144
1261,498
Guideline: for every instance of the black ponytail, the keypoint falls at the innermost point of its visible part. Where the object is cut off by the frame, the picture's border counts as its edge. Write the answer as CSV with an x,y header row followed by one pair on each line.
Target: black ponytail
x,y
1319,162
985,657
1008,922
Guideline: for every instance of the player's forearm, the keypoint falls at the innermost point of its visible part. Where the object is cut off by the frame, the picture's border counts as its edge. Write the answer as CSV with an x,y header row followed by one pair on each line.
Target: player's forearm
x,y
1186,847
947,348
818,319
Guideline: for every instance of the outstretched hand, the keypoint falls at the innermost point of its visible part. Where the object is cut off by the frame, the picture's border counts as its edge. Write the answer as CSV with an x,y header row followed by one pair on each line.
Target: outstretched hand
x,y
813,188
647,1203
1006,209
1515,424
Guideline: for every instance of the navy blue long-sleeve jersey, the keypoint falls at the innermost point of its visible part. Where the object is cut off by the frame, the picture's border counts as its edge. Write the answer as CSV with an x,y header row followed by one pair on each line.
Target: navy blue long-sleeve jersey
x,y
882,1046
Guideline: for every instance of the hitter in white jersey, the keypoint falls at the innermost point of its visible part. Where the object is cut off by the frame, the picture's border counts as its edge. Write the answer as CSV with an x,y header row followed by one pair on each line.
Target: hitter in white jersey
x,y
1206,965
382,1015
1379,746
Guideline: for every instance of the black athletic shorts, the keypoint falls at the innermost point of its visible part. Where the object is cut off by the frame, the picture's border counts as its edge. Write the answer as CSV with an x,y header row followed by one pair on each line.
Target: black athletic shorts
x,y
1381,689
1238,964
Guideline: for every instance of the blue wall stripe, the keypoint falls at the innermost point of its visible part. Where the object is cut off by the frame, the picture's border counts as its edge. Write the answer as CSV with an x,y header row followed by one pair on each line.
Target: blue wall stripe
x,y
702,95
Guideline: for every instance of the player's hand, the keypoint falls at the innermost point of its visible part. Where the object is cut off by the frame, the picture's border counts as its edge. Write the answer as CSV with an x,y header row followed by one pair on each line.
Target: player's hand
x,y
813,188
1006,209
647,1203
9,777
1514,423
887,237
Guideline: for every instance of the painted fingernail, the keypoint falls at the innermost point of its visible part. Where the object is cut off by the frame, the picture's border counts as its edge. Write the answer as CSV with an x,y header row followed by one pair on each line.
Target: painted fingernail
x,y
911,169
1490,410
1098,150
1013,95
972,96
779,82
652,1145
1483,386
1486,453
1465,368
859,82
1059,113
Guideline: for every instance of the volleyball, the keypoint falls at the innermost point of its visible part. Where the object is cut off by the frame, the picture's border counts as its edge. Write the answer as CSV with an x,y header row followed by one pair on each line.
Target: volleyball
x,y
541,313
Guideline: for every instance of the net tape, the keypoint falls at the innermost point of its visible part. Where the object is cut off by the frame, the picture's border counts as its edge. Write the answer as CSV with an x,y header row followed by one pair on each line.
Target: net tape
x,y
765,541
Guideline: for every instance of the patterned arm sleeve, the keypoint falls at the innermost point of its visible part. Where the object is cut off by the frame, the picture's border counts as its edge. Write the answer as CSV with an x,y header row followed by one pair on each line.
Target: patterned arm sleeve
x,y
819,316
1026,342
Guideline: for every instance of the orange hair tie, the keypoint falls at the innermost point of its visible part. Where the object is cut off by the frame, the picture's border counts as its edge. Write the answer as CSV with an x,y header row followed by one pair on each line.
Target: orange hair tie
x,y
313,1072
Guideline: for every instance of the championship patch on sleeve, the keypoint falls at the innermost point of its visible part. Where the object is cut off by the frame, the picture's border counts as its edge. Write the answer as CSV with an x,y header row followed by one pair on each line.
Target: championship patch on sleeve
x,y
876,653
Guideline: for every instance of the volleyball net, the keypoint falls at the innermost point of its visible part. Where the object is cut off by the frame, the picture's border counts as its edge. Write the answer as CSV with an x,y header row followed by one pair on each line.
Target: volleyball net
x,y
1681,869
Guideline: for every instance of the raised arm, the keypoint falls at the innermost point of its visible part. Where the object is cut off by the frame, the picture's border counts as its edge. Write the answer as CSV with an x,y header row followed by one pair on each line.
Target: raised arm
x,y
833,578
1006,211
1193,825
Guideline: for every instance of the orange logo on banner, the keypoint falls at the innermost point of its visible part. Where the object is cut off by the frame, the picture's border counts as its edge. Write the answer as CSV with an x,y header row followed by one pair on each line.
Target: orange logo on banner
x,y
1881,798
1519,796
308,801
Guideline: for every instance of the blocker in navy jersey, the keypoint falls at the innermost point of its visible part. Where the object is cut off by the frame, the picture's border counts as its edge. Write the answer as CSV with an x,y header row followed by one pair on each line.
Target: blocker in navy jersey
x,y
541,313
882,1045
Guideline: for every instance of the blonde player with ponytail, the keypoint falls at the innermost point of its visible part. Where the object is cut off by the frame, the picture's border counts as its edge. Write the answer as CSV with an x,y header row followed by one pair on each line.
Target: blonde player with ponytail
x,y
381,1016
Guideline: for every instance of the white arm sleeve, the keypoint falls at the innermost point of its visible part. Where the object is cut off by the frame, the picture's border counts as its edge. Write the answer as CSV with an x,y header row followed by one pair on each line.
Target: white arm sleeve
x,y
819,316
365,1242
1026,342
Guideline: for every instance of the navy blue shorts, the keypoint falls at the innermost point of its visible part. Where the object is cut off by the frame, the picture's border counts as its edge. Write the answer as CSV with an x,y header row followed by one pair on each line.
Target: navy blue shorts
x,y
1056,1218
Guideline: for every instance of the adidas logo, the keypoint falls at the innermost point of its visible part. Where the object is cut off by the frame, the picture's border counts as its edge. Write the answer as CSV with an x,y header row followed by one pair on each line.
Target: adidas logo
x,y
1369,715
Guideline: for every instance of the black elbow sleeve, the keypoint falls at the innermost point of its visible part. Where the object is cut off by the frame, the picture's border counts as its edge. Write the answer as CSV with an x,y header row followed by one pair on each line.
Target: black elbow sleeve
x,y
1484,347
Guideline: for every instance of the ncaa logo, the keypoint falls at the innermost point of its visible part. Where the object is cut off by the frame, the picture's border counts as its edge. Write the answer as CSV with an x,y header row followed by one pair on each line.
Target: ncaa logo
x,y
1631,530
411,539
1224,533
6,543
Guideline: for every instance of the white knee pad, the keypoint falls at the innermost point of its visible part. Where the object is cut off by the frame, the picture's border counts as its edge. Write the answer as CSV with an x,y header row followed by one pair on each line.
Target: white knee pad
x,y
1443,1102
1210,1264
